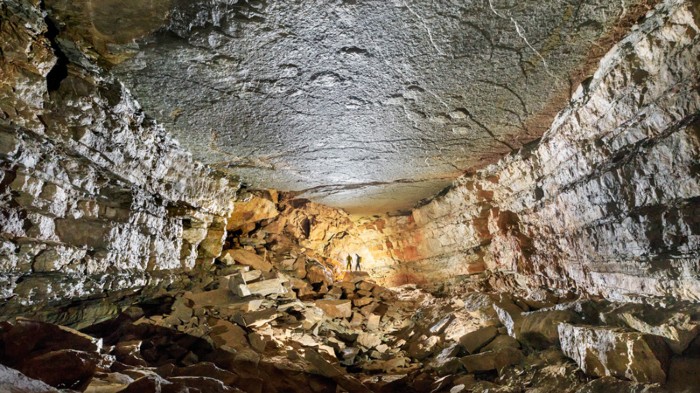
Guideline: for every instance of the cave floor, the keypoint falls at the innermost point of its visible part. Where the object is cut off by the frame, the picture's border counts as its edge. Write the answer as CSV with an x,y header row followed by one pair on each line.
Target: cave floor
x,y
243,329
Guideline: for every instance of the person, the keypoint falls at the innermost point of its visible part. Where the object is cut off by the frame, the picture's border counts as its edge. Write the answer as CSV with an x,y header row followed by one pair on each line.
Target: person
x,y
348,266
357,262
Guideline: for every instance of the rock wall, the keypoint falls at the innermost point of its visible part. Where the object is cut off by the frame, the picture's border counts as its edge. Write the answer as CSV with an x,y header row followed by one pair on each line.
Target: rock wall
x,y
607,202
97,201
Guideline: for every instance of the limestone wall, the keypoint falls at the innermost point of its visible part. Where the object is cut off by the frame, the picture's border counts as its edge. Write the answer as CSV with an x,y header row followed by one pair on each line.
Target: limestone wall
x,y
96,200
607,202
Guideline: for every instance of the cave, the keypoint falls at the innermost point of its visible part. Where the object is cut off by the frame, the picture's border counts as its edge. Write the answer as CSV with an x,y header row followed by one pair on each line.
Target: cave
x,y
349,196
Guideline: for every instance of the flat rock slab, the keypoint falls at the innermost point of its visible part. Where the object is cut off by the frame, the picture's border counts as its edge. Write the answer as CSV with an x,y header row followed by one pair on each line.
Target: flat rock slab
x,y
273,286
472,341
606,351
247,258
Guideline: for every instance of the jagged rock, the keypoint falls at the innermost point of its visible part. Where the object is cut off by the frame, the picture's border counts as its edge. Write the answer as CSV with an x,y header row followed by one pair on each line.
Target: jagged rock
x,y
317,273
441,325
357,320
334,293
473,341
480,305
246,258
250,211
373,322
509,314
493,360
368,340
422,346
446,362
607,351
312,316
362,301
335,308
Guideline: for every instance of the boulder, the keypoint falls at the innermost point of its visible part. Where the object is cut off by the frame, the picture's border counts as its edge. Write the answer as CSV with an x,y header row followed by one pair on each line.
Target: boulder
x,y
12,381
64,368
677,328
25,336
446,362
472,341
607,351
373,322
247,258
539,329
362,301
335,308
500,342
492,360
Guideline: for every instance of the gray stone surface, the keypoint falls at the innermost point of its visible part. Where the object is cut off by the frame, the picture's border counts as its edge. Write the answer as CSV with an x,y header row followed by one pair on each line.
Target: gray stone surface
x,y
365,105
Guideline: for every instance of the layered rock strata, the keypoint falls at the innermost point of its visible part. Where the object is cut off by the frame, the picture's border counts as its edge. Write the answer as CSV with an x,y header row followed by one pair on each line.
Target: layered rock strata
x,y
97,201
606,202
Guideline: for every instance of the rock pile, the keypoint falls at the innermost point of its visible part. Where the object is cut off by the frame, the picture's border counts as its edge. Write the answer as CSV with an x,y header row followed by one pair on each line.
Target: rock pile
x,y
262,331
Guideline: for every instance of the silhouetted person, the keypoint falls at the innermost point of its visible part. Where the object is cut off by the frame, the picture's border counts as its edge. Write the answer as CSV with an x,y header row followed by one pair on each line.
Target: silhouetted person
x,y
357,262
348,266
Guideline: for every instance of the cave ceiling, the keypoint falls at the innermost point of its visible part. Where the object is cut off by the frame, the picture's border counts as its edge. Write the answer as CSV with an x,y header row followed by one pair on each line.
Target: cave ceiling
x,y
370,106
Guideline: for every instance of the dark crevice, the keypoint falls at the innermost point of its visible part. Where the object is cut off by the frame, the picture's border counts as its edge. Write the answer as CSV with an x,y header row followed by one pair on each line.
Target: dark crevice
x,y
59,72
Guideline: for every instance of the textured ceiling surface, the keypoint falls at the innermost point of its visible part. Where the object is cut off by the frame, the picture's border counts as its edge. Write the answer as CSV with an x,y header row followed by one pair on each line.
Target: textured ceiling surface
x,y
365,105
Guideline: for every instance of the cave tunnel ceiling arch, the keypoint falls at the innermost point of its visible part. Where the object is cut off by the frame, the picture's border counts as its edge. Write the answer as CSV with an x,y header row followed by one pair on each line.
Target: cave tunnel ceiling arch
x,y
351,103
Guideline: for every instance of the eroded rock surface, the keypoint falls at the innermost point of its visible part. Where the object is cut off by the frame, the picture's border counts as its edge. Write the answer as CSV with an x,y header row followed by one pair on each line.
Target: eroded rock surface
x,y
369,106
97,201
605,203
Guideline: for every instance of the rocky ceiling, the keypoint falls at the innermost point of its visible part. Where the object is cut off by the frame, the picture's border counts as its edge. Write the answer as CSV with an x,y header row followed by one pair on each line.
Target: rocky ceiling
x,y
366,105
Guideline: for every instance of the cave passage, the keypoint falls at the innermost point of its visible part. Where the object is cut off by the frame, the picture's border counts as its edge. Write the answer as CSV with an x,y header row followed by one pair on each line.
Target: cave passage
x,y
349,196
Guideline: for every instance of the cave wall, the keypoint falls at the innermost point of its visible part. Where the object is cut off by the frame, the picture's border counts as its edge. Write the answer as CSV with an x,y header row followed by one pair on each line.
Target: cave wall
x,y
97,201
607,202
